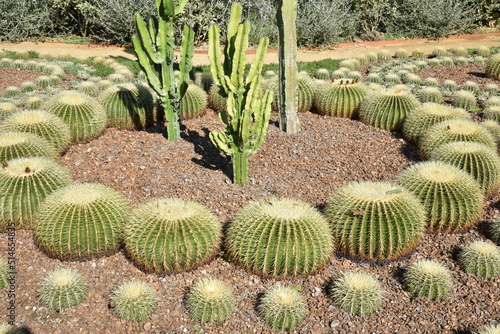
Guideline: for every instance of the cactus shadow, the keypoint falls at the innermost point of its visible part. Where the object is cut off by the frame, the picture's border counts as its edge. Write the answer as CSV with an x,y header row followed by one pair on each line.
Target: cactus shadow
x,y
211,157
410,151
22,330
462,331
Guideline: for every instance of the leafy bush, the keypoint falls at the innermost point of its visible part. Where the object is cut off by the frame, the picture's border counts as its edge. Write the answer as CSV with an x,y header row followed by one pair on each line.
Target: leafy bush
x,y
430,18
370,14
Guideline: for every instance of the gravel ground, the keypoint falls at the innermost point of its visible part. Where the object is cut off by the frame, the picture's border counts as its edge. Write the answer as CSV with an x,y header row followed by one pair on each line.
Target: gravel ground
x,y
310,165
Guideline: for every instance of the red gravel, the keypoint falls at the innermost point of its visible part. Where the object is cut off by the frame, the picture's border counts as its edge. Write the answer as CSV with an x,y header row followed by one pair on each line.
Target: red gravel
x,y
310,165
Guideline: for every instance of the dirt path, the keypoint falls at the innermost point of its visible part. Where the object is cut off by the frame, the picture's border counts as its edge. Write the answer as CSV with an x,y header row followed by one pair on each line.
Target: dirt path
x,y
345,50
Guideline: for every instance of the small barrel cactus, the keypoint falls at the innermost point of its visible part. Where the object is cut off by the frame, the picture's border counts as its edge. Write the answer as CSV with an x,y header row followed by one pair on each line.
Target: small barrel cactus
x,y
288,227
85,116
383,55
480,258
6,328
372,57
357,292
452,198
216,100
401,54
129,106
387,110
34,102
449,87
375,220
431,82
479,160
430,94
489,329
453,130
82,221
133,300
11,91
461,51
427,278
374,77
418,53
492,101
7,109
27,86
491,89
305,91
210,301
41,123
171,234
439,51
283,308
464,99
43,81
470,86
5,273
492,112
493,127
24,184
340,99
447,61
89,88
63,289
426,115
392,79
193,103
22,144
322,74
493,67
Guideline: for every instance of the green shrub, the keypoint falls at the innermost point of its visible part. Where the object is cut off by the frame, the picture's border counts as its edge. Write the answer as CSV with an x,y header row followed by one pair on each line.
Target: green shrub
x,y
25,183
357,292
81,221
297,237
426,278
451,197
210,301
375,220
171,234
62,289
480,258
133,300
282,308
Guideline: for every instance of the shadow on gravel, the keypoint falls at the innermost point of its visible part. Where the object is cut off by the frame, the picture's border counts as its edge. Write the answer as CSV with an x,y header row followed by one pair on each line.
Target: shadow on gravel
x,y
211,158
410,151
477,74
462,331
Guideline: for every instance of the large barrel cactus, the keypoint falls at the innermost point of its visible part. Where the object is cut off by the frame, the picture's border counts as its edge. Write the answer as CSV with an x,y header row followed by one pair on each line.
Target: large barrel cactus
x,y
22,144
426,115
493,67
172,234
479,160
216,100
452,198
82,221
24,184
85,116
193,103
41,123
129,106
375,220
453,130
341,98
387,110
279,237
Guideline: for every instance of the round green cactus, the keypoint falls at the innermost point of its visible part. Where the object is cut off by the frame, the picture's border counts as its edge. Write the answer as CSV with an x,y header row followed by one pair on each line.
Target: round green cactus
x,y
492,112
493,67
372,57
489,329
464,99
41,123
430,94
427,278
387,110
305,92
282,308
279,237
340,99
447,61
383,55
449,87
491,89
461,51
453,130
374,77
129,106
210,301
193,103
43,81
479,160
375,220
216,100
22,144
470,86
171,234
357,292
418,53
452,198
439,51
82,221
480,258
89,88
85,116
494,128
431,82
205,81
392,79
426,115
401,54
24,184
62,289
492,101
27,86
7,109
5,275
11,91
133,300
322,74
6,328
33,102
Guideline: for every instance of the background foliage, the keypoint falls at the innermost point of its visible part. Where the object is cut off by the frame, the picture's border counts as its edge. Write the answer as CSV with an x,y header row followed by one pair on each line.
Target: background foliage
x,y
319,22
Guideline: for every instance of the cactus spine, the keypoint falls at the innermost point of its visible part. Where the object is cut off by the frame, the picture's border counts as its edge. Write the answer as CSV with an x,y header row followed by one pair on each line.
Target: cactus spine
x,y
154,46
247,116
287,37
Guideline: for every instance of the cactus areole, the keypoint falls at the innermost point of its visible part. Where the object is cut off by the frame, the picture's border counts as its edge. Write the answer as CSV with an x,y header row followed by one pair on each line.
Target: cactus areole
x,y
154,46
247,116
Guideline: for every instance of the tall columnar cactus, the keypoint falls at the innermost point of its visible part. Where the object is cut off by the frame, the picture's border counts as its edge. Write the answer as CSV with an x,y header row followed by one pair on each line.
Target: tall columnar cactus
x,y
247,115
154,45
452,198
375,220
171,234
82,220
24,184
287,52
341,98
279,237
283,308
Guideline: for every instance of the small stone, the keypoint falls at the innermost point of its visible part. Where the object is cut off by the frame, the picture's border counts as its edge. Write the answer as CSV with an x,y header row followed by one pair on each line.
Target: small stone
x,y
147,326
334,323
